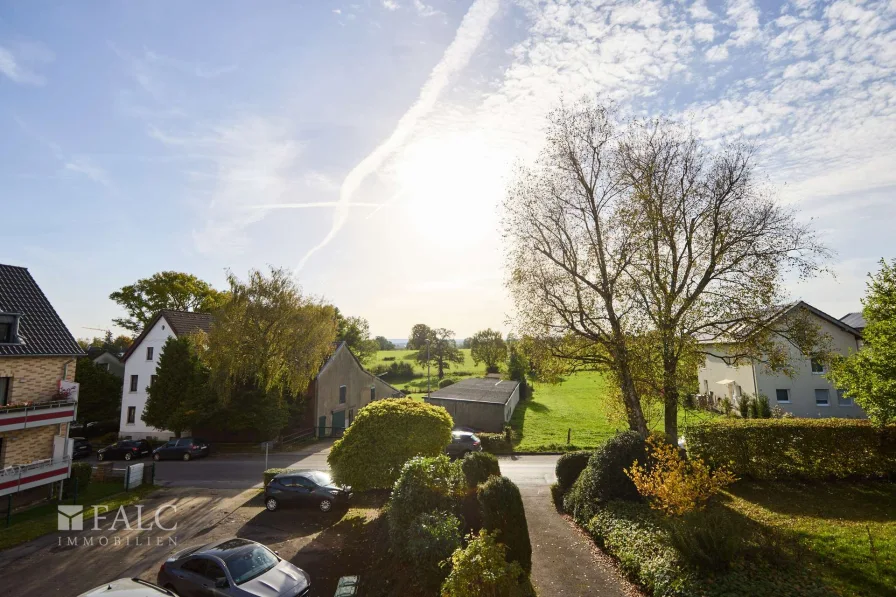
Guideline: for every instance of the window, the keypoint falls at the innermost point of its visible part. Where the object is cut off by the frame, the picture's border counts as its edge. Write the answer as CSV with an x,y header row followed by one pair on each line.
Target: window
x,y
372,393
132,415
5,383
133,383
782,395
103,366
152,380
351,415
843,399
817,367
9,324
149,351
197,566
822,397
342,393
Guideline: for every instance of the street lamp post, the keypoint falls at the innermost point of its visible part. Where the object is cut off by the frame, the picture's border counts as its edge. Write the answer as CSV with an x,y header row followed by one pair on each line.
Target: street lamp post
x,y
428,378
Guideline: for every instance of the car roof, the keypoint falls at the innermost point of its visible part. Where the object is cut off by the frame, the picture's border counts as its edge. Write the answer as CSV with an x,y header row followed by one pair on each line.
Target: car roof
x,y
127,587
225,548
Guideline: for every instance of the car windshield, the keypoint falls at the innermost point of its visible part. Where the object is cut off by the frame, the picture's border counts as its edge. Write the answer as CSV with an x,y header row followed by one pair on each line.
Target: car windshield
x,y
320,478
249,564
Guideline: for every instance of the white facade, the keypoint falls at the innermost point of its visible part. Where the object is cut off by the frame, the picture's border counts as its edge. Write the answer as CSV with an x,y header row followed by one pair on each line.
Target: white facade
x,y
805,392
142,365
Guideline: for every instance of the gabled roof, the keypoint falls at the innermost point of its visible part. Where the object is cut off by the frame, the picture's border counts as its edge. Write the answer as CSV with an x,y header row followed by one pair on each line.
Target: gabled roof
x,y
95,352
776,313
41,331
856,320
341,345
487,389
181,322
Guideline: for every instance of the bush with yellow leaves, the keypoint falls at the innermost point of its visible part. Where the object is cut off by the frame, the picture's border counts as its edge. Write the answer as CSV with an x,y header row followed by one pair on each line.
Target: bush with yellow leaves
x,y
673,484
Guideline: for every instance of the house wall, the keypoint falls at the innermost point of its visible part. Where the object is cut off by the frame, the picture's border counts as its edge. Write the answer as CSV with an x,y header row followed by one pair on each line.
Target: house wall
x,y
35,378
116,367
481,416
343,370
511,404
803,384
24,446
137,364
714,370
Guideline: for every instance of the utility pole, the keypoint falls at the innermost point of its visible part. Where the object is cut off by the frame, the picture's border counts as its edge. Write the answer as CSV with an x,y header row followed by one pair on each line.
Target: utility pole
x,y
428,377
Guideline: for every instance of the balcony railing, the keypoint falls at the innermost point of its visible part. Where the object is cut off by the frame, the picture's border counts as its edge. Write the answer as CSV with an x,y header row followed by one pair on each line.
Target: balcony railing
x,y
26,476
13,417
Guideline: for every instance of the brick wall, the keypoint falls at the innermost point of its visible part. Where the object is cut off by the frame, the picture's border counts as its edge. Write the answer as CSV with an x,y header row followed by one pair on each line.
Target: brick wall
x,y
35,378
27,445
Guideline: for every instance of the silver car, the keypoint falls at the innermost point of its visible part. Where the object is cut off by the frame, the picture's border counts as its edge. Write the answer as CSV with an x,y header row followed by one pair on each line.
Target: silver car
x,y
128,587
232,567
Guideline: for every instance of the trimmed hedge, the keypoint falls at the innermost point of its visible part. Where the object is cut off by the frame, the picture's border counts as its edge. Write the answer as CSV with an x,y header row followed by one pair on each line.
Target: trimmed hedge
x,y
431,539
426,485
502,511
795,448
273,472
496,443
383,437
569,467
478,467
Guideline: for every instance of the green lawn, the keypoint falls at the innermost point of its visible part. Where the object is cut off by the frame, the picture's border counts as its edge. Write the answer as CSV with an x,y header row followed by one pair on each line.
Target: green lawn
x,y
417,383
845,532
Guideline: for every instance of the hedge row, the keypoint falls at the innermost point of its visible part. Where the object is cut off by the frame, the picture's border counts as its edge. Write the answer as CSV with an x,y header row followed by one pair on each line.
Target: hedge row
x,y
795,448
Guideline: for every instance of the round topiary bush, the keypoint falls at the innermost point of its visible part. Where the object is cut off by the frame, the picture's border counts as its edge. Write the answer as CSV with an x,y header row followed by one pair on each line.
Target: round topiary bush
x,y
425,485
604,478
478,467
569,467
446,382
385,435
502,511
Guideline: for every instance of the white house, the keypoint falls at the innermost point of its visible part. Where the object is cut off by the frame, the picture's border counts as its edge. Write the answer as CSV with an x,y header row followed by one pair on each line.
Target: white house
x,y
808,393
140,363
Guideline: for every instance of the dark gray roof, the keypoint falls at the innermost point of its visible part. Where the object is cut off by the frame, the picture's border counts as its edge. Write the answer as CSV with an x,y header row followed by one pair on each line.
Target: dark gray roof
x,y
854,320
181,322
41,331
497,391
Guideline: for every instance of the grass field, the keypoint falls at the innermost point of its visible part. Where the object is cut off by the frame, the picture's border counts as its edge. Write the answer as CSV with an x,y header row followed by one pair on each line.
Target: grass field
x,y
417,383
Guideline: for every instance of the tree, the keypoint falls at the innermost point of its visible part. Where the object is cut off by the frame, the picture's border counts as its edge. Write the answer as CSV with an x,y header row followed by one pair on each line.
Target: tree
x,y
118,344
266,344
487,346
516,369
180,397
355,332
467,343
99,394
165,290
440,350
869,375
420,333
384,343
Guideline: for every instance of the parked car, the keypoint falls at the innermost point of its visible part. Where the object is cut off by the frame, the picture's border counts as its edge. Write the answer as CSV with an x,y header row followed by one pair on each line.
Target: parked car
x,y
128,449
462,443
127,587
305,488
236,567
184,448
81,448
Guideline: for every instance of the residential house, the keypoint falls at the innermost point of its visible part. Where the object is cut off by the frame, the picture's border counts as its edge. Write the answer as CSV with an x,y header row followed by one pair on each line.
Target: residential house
x,y
38,396
482,404
808,393
855,321
106,360
140,363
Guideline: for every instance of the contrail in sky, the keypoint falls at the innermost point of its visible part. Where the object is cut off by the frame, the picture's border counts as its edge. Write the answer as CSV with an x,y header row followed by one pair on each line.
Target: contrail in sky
x,y
468,37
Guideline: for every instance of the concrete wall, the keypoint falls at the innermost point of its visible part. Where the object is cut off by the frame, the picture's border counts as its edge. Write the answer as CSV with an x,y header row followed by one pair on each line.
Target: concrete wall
x,y
803,384
35,378
511,404
481,416
137,364
343,370
715,370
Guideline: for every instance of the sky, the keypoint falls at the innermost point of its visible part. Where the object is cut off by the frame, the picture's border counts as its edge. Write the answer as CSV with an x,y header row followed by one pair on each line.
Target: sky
x,y
366,146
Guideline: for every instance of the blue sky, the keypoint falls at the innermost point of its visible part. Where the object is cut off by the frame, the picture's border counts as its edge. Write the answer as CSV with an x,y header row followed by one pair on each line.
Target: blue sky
x,y
367,145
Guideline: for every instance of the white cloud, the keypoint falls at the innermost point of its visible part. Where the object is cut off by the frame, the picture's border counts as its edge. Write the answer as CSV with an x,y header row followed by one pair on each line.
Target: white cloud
x,y
704,32
86,166
700,11
13,65
717,53
425,10
390,5
744,15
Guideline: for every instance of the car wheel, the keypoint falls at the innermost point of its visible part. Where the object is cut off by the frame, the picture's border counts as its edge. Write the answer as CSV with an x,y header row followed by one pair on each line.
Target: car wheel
x,y
326,505
271,504
128,456
186,457
100,456
156,457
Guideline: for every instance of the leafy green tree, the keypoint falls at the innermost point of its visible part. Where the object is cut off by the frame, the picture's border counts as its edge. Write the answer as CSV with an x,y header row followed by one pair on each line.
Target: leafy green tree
x,y
164,290
517,367
467,343
420,333
117,344
869,375
99,394
488,346
266,344
384,343
355,332
440,350
180,397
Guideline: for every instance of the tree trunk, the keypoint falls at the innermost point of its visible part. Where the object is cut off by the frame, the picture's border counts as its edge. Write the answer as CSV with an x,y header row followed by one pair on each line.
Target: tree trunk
x,y
631,401
670,400
441,369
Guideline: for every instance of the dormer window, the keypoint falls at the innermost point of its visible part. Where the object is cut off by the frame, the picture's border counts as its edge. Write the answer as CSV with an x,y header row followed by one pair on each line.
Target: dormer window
x,y
9,328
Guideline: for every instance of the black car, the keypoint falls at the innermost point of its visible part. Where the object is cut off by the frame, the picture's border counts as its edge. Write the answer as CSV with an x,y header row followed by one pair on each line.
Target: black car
x,y
184,448
462,443
305,488
232,568
82,448
128,449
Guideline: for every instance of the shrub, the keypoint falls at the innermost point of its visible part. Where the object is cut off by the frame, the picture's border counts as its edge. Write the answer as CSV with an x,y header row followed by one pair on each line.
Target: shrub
x,y
478,467
743,405
712,539
557,496
754,408
431,539
795,448
604,478
388,358
446,382
400,370
726,405
502,511
273,472
495,443
674,485
569,467
81,473
425,485
481,569
763,408
385,435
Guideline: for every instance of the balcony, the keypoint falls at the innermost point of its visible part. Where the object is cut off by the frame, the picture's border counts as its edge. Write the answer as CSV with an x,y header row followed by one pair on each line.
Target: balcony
x,y
26,476
25,416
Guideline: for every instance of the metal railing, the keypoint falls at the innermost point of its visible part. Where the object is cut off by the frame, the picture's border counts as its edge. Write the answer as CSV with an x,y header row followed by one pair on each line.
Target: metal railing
x,y
33,406
12,477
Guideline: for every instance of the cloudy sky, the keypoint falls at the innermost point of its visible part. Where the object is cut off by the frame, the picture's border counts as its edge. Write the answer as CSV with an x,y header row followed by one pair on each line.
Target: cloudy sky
x,y
366,145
